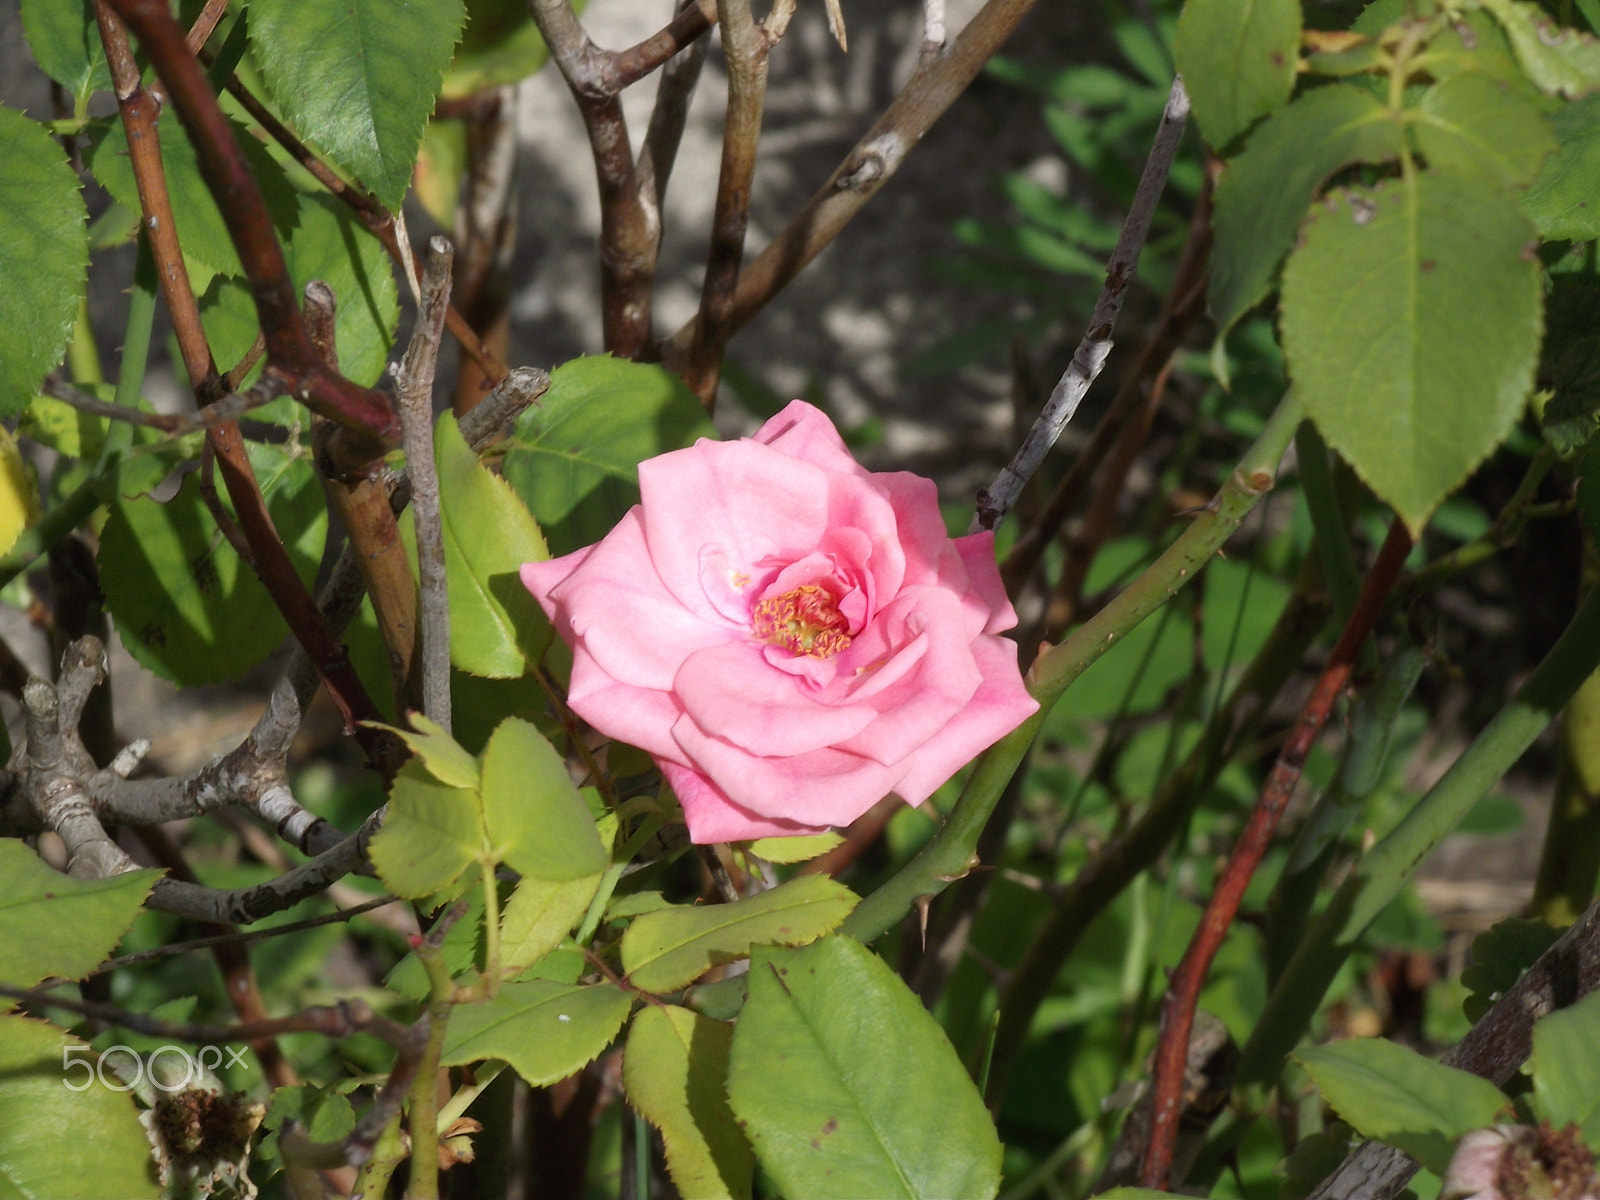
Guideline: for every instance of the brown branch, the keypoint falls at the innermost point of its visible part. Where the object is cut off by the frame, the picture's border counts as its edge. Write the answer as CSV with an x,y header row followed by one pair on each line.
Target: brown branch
x,y
1183,992
667,121
875,158
485,235
746,47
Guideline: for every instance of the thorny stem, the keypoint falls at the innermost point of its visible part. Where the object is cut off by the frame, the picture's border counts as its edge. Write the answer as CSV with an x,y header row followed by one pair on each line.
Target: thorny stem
x,y
996,500
1183,991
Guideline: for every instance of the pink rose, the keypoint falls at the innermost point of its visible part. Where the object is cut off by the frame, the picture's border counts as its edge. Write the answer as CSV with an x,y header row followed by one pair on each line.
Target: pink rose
x,y
790,636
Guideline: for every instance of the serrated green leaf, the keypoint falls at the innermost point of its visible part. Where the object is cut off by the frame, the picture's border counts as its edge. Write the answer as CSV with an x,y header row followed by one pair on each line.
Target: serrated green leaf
x,y
110,1158
202,232
358,78
835,1061
1570,365
1263,193
501,45
44,252
1474,123
497,628
675,1072
51,924
185,605
323,1113
1238,59
440,754
663,950
783,850
1560,61
1566,1069
1500,955
1563,199
1411,325
331,244
544,1029
1395,1095
430,834
574,458
65,40
540,914
537,821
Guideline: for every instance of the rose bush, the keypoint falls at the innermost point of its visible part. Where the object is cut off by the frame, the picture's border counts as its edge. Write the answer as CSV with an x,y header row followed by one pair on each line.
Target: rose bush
x,y
790,636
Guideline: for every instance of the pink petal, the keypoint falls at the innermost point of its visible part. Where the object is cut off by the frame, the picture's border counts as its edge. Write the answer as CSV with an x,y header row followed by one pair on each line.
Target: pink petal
x,y
983,578
639,716
999,706
731,691
822,787
804,431
712,817
922,535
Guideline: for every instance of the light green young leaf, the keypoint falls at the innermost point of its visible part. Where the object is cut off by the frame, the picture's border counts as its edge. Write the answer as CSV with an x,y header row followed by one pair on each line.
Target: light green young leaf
x,y
496,627
540,914
65,40
1566,1069
432,831
1559,61
358,77
1263,193
501,45
185,606
202,232
1562,199
110,1159
1472,123
783,850
1238,59
537,821
51,924
441,755
44,252
836,1061
1411,324
575,455
544,1029
1396,1096
666,949
675,1073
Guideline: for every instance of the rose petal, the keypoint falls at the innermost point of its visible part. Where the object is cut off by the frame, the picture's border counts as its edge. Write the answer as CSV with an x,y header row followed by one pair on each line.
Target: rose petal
x,y
983,580
832,787
921,532
804,431
712,817
730,689
639,716
1000,704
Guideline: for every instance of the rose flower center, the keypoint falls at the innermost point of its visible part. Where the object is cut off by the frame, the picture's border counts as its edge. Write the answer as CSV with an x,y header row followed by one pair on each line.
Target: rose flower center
x,y
805,621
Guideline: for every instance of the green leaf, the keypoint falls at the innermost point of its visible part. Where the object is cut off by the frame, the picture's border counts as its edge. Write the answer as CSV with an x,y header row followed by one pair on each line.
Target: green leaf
x,y
52,924
1570,366
575,455
540,914
202,232
501,45
65,39
537,821
358,77
440,754
1395,1095
663,950
1263,193
185,605
783,850
324,1114
1562,200
1566,1069
836,1063
1499,957
44,252
432,831
110,1156
544,1029
1238,59
331,244
675,1071
1411,324
1557,60
496,626
1474,123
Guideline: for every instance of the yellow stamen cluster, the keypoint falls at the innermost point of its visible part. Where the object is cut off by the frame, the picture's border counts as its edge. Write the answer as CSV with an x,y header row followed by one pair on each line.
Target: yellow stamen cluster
x,y
805,621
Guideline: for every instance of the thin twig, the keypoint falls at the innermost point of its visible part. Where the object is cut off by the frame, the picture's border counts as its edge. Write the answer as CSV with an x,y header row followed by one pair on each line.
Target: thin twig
x,y
667,121
1183,992
995,500
243,937
414,385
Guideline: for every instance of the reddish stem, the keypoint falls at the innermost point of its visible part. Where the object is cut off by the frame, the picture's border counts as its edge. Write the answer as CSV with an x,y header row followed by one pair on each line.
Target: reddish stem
x,y
1183,992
